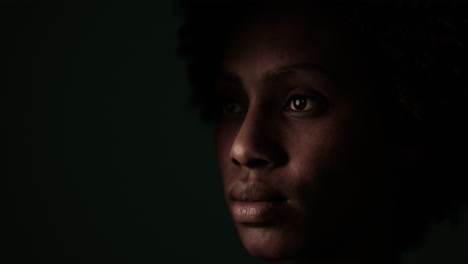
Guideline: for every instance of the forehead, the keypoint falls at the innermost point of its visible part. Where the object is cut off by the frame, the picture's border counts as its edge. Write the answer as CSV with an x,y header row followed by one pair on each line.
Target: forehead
x,y
276,37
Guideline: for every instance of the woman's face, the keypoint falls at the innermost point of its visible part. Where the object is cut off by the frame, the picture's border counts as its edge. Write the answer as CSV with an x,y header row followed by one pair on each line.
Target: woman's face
x,y
299,142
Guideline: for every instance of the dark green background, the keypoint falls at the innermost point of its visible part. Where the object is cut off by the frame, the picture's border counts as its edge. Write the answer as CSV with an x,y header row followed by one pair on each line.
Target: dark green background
x,y
106,163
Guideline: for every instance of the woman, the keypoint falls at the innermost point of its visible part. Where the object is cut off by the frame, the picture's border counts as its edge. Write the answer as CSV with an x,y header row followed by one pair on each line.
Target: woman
x,y
336,122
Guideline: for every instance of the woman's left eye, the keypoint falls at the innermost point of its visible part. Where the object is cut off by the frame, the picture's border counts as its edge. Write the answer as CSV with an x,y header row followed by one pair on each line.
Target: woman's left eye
x,y
299,103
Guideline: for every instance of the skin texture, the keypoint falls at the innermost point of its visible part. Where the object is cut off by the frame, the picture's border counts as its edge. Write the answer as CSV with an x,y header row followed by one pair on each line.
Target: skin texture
x,y
322,158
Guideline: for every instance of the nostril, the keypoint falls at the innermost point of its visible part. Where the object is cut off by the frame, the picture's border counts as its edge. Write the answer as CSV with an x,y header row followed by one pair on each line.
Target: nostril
x,y
257,163
235,162
253,163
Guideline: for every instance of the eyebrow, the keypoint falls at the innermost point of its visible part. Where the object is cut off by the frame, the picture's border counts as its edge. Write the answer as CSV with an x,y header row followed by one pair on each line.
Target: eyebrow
x,y
311,67
277,72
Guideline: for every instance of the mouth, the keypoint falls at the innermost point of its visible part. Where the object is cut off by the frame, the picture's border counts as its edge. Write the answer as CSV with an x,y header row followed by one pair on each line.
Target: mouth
x,y
256,204
258,213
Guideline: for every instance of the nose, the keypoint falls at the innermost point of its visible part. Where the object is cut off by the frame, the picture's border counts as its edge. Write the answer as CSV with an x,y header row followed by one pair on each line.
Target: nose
x,y
258,143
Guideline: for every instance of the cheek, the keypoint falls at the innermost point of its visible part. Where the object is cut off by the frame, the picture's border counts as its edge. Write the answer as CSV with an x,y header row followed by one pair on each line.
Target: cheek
x,y
321,145
332,162
318,156
346,139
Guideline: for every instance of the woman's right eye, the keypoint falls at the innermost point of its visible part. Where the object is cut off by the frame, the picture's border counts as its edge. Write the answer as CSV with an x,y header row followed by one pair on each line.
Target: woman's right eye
x,y
232,107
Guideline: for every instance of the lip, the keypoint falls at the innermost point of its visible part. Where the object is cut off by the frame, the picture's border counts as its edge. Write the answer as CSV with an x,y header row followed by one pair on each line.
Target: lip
x,y
256,203
256,212
255,192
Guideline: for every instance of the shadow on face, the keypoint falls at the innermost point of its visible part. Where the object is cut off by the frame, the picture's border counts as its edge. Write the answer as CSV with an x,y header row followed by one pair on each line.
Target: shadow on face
x,y
300,143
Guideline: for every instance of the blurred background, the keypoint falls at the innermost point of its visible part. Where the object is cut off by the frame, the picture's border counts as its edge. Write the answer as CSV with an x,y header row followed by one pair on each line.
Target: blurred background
x,y
106,161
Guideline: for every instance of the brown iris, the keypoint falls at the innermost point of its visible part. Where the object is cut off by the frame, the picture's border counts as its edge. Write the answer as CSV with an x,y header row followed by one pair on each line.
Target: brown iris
x,y
298,102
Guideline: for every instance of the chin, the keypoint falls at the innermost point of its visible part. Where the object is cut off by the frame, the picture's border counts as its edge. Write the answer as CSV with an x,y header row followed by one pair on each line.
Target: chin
x,y
270,242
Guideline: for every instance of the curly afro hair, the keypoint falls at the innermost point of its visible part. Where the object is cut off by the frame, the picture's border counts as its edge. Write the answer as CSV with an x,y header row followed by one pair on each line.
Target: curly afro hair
x,y
419,52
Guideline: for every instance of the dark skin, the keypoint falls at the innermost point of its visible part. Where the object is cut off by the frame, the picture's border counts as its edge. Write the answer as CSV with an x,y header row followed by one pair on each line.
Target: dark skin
x,y
300,144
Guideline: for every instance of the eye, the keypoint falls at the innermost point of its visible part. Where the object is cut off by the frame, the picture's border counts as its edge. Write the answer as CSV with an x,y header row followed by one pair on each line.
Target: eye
x,y
299,103
232,107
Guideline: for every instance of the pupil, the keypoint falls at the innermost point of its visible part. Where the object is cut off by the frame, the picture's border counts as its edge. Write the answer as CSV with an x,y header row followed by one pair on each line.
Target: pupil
x,y
299,103
230,107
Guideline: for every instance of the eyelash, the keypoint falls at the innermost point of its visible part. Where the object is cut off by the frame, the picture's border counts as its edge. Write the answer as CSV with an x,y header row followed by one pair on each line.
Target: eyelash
x,y
298,99
231,103
312,103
